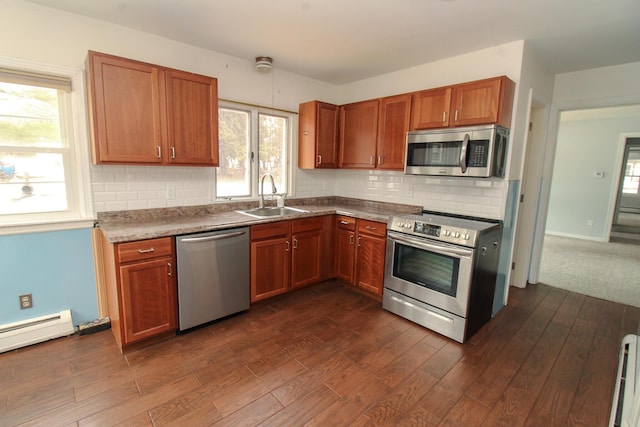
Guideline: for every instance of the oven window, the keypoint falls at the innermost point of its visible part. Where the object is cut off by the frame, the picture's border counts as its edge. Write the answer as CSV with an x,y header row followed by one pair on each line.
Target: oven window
x,y
426,269
434,154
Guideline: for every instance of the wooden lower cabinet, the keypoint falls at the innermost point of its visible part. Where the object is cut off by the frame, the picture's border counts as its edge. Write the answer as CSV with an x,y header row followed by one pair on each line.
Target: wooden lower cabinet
x,y
141,289
286,255
306,253
345,248
360,253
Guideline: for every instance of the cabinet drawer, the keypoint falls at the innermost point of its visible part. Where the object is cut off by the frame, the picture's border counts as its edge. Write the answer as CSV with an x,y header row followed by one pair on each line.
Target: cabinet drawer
x,y
144,249
306,224
272,229
372,227
346,222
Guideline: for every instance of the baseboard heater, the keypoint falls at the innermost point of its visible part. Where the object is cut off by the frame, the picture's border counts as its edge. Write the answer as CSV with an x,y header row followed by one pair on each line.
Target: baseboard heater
x,y
33,331
625,408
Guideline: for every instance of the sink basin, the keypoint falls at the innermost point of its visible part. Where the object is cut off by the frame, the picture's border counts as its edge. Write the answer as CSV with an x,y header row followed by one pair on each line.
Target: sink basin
x,y
271,212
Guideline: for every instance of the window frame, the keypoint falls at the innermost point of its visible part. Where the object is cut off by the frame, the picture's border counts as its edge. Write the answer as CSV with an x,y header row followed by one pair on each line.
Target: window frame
x,y
254,172
79,213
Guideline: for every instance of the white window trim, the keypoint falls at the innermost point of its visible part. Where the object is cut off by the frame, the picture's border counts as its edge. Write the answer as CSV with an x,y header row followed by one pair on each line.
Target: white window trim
x,y
292,144
83,216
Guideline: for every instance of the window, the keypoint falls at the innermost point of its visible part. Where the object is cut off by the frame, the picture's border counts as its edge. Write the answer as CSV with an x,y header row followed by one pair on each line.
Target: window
x,y
253,142
631,183
43,168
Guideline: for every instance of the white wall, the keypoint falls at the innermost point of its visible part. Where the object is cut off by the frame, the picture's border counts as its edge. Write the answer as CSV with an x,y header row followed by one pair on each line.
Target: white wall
x,y
585,147
479,197
54,37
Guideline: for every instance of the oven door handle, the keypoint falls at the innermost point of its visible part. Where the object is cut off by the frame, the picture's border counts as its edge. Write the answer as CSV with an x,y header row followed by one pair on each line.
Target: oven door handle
x,y
422,244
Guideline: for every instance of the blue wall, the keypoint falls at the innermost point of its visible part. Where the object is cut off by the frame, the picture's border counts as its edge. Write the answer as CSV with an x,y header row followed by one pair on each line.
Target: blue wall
x,y
56,267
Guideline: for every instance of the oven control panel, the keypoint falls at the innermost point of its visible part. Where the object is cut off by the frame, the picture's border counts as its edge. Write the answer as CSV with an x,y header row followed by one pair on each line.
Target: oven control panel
x,y
445,233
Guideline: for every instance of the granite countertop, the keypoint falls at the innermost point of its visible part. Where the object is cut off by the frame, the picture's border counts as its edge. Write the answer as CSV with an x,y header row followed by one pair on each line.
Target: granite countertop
x,y
127,226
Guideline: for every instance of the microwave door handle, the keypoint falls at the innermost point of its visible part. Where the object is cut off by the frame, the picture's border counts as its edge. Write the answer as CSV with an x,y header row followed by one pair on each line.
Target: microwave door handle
x,y
463,153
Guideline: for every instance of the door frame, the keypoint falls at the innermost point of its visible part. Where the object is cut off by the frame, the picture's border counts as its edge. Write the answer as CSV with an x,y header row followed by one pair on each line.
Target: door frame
x,y
549,149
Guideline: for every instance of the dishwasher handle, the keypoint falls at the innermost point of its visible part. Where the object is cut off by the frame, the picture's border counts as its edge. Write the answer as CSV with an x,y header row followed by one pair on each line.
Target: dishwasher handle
x,y
211,238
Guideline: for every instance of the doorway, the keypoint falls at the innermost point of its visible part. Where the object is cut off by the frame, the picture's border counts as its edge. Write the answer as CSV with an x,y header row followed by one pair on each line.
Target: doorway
x,y
577,252
626,219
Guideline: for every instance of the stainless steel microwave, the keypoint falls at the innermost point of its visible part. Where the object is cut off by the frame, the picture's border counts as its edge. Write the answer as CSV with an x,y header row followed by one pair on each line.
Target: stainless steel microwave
x,y
477,151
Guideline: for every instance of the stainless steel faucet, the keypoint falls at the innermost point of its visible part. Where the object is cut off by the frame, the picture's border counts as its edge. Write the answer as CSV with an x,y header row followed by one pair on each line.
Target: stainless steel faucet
x,y
274,190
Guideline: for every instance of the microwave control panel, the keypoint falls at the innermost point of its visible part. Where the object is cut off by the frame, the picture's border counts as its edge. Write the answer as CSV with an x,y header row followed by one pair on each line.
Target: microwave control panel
x,y
477,156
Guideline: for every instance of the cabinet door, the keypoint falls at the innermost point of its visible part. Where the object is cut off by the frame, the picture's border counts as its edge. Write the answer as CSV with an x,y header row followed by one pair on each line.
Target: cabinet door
x,y
306,257
270,267
358,134
345,254
318,135
483,102
192,118
126,103
430,108
148,298
370,255
393,125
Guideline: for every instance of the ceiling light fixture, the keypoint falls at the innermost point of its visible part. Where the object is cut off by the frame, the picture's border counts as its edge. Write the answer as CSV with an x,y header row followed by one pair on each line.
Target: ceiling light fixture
x,y
263,63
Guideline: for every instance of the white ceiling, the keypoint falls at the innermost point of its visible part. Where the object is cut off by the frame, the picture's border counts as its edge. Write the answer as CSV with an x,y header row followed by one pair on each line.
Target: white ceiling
x,y
341,41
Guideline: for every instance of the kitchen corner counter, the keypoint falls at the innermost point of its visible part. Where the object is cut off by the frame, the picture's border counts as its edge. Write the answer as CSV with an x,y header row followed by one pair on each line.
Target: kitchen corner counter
x,y
127,226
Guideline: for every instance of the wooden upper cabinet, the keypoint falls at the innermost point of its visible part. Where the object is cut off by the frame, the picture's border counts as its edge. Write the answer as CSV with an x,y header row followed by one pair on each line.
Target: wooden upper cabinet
x,y
192,117
393,124
488,101
142,113
430,108
358,134
126,104
480,102
317,135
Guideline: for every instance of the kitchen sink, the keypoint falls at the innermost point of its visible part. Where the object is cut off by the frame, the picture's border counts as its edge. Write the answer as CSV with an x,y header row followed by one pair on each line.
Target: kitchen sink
x,y
272,211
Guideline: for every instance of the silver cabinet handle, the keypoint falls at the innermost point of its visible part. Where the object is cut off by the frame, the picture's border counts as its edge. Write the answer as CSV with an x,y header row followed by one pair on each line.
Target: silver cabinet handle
x,y
159,151
343,222
455,119
146,251
359,241
368,227
170,269
295,243
379,160
444,116
173,152
371,160
319,159
351,239
287,249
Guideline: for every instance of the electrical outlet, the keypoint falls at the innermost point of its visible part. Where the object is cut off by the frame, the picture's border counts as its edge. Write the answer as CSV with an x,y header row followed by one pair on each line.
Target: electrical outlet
x,y
26,301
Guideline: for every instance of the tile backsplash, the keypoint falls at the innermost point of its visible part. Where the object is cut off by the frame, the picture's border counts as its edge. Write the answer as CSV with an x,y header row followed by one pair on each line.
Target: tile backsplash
x,y
117,188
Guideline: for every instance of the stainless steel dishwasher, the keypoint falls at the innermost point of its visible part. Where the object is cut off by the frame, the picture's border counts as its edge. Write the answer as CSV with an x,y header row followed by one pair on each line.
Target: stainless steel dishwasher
x,y
213,275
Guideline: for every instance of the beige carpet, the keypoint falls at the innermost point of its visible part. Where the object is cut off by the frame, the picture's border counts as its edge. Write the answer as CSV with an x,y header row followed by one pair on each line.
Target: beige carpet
x,y
610,271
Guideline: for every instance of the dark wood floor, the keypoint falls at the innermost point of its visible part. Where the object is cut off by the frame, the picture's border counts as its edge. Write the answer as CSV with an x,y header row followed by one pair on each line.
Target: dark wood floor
x,y
328,356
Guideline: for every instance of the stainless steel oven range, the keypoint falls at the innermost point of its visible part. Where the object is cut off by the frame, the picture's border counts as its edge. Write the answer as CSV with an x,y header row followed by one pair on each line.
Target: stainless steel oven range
x,y
441,271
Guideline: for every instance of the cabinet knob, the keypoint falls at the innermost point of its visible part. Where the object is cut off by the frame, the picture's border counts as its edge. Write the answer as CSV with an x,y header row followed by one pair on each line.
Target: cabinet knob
x,y
305,133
